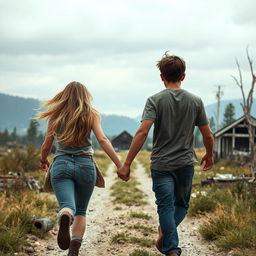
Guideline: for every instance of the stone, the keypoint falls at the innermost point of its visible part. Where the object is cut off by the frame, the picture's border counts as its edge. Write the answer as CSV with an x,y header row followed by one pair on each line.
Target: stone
x,y
29,250
50,247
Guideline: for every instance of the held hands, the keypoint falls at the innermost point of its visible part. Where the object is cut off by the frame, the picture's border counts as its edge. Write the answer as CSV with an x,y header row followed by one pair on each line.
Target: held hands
x,y
124,172
208,160
44,165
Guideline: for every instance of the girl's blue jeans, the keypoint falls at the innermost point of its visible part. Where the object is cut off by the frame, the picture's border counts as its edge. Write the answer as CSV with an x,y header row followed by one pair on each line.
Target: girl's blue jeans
x,y
172,191
73,179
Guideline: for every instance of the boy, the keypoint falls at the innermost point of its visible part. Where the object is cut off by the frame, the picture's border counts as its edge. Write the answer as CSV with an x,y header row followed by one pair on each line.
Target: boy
x,y
175,113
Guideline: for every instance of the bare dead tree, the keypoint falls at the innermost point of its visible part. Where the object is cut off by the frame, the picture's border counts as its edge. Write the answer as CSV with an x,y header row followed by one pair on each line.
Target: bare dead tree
x,y
247,106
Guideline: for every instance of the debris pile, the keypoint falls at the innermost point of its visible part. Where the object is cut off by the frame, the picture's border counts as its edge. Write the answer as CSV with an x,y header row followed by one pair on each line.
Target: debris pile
x,y
225,179
18,181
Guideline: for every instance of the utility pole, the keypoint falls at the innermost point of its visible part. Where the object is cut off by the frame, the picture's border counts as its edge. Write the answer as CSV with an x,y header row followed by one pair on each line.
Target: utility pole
x,y
219,93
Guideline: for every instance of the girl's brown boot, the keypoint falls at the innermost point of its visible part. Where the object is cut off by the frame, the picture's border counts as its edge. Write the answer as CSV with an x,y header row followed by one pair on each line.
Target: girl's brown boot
x,y
74,247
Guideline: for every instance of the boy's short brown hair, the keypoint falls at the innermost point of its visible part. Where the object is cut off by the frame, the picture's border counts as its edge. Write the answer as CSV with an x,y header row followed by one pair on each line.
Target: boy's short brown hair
x,y
172,67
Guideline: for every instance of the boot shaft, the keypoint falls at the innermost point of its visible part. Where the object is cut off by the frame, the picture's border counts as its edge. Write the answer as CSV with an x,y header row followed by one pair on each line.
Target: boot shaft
x,y
74,247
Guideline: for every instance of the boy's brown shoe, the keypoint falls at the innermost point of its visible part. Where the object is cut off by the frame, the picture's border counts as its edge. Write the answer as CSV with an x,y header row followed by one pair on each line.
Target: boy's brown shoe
x,y
74,247
159,241
173,254
63,237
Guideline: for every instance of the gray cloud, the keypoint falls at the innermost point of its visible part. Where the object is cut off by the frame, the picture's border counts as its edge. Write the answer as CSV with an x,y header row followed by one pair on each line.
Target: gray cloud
x,y
112,46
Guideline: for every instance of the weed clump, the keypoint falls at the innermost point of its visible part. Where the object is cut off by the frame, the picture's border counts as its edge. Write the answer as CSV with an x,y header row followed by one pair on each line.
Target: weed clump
x,y
143,253
233,222
122,238
16,213
140,215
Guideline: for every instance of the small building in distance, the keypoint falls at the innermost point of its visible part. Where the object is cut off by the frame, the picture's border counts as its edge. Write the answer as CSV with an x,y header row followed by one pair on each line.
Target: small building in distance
x,y
122,141
232,141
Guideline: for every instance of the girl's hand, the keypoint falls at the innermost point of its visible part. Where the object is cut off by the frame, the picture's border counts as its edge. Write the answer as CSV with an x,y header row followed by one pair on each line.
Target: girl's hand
x,y
44,165
124,172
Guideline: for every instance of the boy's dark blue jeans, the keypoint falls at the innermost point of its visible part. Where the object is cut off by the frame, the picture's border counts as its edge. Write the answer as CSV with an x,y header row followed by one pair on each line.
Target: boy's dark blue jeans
x,y
172,191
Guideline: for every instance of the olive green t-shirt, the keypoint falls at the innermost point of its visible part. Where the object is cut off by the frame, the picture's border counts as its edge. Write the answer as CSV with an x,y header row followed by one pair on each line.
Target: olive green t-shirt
x,y
175,114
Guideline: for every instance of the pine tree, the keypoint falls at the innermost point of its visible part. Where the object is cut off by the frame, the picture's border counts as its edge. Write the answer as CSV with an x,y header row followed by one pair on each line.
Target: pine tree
x,y
32,132
14,134
212,124
229,114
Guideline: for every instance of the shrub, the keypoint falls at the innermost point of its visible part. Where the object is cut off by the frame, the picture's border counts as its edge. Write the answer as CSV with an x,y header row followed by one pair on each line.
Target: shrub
x,y
208,200
21,160
233,224
217,224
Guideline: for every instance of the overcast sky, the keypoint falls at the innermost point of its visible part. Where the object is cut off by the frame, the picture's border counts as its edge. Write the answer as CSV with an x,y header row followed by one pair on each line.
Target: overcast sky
x,y
112,47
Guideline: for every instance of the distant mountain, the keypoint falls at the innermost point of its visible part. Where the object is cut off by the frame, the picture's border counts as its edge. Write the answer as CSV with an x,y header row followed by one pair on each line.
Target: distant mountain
x,y
211,109
17,111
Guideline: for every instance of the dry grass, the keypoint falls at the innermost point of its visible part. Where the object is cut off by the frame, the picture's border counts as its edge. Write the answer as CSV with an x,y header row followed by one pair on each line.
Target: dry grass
x,y
231,222
230,211
16,213
143,253
140,215
102,161
20,159
124,238
144,158
221,167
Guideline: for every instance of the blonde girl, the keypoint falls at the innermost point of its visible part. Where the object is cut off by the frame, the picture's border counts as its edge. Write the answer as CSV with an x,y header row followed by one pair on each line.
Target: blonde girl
x,y
71,118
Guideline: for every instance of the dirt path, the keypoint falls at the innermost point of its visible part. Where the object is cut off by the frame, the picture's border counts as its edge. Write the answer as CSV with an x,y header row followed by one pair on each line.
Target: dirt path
x,y
106,220
98,216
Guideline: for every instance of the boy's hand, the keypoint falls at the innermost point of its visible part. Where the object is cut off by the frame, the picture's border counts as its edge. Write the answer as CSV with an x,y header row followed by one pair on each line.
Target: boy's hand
x,y
208,162
124,172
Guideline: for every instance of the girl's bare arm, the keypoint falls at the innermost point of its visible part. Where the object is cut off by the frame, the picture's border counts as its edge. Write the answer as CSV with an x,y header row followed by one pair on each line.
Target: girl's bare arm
x,y
104,142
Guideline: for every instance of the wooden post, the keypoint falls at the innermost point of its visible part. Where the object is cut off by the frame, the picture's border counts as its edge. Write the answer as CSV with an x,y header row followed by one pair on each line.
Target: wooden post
x,y
233,139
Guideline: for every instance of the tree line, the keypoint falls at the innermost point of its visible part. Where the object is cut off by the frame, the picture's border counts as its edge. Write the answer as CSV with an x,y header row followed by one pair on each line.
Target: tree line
x,y
33,136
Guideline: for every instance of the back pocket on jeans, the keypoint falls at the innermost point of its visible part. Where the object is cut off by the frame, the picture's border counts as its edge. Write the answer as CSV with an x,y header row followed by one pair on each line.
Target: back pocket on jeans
x,y
87,173
59,169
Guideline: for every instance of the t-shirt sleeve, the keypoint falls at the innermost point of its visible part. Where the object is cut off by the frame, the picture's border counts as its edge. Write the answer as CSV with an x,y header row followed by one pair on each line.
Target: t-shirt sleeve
x,y
201,119
149,112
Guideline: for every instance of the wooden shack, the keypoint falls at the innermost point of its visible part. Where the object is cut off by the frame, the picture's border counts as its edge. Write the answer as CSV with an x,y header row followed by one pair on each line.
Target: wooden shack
x,y
232,141
122,141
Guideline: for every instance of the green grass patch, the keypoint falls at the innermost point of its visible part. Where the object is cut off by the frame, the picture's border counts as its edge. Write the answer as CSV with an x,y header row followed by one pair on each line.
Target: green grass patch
x,y
122,238
127,193
145,242
140,215
142,228
143,253
118,208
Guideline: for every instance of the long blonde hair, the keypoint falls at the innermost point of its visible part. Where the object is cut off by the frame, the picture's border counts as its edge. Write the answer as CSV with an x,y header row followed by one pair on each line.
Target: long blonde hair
x,y
70,110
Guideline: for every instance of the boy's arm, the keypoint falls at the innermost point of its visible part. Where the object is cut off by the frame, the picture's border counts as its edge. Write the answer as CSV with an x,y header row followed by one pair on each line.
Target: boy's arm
x,y
208,140
137,143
